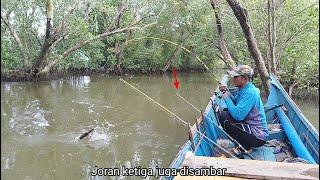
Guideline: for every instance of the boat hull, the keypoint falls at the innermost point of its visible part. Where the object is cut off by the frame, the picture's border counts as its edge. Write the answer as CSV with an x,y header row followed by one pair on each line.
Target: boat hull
x,y
296,130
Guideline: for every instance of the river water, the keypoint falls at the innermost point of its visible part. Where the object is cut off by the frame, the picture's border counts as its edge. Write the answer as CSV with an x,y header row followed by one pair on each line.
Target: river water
x,y
41,123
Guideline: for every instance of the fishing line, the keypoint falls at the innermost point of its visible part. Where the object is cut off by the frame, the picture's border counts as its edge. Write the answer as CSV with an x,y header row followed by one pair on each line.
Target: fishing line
x,y
163,108
188,103
173,114
185,49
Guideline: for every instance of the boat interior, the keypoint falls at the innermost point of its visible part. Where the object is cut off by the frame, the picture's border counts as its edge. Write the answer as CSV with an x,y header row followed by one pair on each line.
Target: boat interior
x,y
289,131
277,148
292,139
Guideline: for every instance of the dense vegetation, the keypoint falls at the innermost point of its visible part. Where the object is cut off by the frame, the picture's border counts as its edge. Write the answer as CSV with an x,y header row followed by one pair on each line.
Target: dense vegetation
x,y
110,36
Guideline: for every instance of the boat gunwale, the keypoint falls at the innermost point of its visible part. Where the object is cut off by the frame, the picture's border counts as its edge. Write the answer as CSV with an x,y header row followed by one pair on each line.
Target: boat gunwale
x,y
295,108
278,86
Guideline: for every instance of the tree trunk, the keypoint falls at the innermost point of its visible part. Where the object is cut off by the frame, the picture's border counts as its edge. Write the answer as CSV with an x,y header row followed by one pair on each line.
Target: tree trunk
x,y
82,43
291,88
292,82
242,16
271,37
188,57
221,41
172,57
118,55
42,59
117,45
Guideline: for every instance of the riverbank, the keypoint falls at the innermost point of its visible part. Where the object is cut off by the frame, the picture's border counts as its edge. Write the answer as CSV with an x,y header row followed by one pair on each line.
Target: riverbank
x,y
305,95
20,76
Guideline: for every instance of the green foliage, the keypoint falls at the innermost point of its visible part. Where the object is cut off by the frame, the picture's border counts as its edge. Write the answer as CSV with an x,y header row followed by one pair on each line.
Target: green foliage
x,y
301,30
188,23
10,58
144,58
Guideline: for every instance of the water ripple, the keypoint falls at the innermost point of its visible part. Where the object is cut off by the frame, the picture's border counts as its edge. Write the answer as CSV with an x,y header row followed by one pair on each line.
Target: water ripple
x,y
29,120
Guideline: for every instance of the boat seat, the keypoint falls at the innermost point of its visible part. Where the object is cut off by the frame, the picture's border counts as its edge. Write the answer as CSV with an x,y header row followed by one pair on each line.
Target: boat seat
x,y
278,135
268,108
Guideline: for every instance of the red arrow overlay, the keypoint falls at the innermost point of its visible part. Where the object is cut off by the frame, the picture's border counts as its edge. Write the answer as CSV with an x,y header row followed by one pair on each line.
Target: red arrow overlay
x,y
176,81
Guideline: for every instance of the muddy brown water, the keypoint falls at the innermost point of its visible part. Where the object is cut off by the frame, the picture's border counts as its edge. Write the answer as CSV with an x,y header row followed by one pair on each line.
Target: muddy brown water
x,y
41,123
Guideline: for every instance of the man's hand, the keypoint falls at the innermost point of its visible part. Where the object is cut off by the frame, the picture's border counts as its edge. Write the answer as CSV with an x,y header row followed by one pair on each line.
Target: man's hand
x,y
226,94
223,89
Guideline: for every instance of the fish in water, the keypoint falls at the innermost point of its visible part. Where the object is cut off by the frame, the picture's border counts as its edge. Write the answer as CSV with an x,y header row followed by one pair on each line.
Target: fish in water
x,y
86,133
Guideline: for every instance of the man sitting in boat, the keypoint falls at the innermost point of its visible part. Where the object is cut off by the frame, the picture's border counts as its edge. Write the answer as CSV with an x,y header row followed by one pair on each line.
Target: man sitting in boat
x,y
244,118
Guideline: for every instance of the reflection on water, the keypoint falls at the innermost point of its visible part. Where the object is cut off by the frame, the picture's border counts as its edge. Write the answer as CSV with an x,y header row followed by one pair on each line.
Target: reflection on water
x,y
41,124
310,109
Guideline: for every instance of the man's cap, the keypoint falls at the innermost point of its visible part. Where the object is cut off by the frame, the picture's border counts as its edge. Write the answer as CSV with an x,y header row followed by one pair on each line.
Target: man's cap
x,y
242,70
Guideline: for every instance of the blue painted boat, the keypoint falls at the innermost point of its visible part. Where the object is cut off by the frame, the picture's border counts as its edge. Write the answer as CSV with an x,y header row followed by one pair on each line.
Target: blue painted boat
x,y
292,148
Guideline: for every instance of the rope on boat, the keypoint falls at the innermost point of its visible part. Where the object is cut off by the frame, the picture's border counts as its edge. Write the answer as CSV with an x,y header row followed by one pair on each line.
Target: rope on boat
x,y
184,123
219,127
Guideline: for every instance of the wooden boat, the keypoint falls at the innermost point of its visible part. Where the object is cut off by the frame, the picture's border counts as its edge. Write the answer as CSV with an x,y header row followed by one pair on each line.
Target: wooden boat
x,y
291,152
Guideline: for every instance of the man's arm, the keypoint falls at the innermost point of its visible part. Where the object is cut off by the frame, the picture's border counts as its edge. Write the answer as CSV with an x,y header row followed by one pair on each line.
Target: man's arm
x,y
244,106
233,98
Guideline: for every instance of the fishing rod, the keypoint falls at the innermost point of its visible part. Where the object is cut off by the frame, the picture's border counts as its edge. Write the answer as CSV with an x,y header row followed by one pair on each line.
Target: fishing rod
x,y
218,93
178,118
219,127
185,49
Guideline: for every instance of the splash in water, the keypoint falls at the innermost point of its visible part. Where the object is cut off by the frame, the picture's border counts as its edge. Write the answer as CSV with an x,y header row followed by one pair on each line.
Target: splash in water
x,y
29,121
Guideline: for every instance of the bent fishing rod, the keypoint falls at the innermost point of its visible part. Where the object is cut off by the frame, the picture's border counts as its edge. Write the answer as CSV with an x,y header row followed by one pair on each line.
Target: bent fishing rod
x,y
185,49
181,121
220,128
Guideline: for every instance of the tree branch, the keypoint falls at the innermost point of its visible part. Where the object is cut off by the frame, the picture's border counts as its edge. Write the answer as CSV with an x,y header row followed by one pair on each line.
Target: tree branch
x,y
62,23
221,40
85,42
5,18
289,39
243,19
56,42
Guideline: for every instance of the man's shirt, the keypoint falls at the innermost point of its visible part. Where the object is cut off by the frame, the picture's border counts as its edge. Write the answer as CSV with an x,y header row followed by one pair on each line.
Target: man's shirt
x,y
246,107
